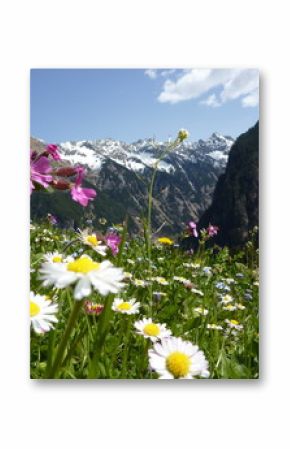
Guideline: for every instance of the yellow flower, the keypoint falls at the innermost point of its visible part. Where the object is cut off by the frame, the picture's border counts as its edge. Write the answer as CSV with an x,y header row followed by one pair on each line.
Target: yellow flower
x,y
183,134
165,241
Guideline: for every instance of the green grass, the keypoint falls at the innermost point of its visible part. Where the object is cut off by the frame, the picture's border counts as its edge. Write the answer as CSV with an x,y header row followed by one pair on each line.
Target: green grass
x,y
122,353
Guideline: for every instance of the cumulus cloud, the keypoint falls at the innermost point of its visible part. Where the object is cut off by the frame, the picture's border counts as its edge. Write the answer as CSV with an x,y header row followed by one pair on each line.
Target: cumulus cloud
x,y
230,83
212,101
152,73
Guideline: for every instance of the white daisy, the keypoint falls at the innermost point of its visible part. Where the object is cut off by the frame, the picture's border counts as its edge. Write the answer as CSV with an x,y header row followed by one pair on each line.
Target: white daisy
x,y
160,280
42,313
200,311
153,331
230,307
92,241
214,327
234,324
226,299
85,273
174,358
197,292
240,306
127,307
182,280
188,265
230,281
53,257
139,283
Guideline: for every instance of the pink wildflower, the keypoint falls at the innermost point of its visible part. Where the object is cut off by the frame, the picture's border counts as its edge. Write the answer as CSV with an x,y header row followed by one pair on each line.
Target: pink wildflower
x,y
53,151
39,169
191,228
212,230
79,194
113,241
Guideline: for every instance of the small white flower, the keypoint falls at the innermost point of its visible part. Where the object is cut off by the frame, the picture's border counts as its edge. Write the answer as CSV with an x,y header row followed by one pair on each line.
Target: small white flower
x,y
207,271
42,313
240,306
160,280
181,279
197,292
85,273
230,281
189,265
174,358
139,283
230,307
153,331
53,257
201,311
127,307
214,327
92,241
234,324
131,261
226,299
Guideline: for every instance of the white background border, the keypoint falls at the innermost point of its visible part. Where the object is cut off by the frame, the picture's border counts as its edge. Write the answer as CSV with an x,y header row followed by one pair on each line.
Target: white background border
x,y
223,414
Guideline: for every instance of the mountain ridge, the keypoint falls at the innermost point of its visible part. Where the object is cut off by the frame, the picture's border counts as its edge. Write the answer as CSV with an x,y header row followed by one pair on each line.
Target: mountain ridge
x,y
120,172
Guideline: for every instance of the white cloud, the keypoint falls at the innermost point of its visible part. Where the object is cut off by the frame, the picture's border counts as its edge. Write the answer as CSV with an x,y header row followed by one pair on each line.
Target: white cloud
x,y
232,84
212,101
152,73
251,100
167,72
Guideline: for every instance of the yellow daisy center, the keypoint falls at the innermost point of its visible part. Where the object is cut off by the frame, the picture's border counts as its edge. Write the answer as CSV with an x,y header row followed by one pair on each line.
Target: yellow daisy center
x,y
34,309
151,329
124,306
234,322
83,265
57,259
178,364
92,240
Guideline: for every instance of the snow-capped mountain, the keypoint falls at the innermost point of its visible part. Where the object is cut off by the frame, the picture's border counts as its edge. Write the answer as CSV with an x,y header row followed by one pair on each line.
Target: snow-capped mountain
x,y
143,154
120,172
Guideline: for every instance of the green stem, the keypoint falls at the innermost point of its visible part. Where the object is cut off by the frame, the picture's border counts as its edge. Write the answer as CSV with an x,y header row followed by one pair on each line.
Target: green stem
x,y
63,344
149,217
101,336
145,358
105,317
126,349
51,340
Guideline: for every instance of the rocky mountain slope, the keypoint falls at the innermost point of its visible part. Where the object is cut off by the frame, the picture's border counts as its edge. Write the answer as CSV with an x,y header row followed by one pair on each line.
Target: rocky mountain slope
x,y
120,172
235,206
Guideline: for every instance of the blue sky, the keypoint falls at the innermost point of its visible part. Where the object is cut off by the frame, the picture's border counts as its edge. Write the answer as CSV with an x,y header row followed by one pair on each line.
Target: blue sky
x,y
129,104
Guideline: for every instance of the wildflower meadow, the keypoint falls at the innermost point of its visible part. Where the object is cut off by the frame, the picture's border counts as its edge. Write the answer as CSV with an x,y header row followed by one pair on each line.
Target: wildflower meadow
x,y
105,304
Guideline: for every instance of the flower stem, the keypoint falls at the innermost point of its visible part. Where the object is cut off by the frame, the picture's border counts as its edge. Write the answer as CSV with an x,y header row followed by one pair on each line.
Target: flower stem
x,y
63,344
101,336
126,349
167,150
105,316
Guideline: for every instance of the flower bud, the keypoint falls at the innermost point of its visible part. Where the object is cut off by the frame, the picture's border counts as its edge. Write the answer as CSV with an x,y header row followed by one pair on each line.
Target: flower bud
x,y
59,184
183,134
66,171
